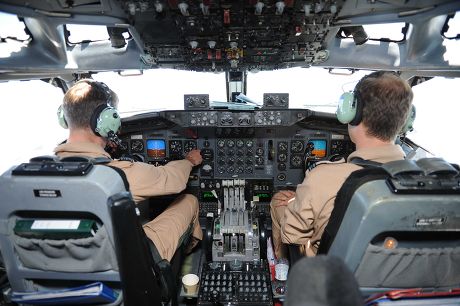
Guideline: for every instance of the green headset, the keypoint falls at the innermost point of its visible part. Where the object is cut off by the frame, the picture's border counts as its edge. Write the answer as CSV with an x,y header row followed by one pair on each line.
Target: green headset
x,y
409,124
350,110
350,107
105,120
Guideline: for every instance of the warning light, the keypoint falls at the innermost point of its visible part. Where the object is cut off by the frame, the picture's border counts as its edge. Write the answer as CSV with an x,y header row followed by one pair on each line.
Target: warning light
x,y
390,243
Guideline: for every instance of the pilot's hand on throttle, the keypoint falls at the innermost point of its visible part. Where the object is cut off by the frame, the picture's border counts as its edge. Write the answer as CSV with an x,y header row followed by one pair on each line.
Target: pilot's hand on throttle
x,y
194,157
283,197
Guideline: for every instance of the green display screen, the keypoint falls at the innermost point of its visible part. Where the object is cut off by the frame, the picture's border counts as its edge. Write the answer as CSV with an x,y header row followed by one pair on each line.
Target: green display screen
x,y
263,196
207,196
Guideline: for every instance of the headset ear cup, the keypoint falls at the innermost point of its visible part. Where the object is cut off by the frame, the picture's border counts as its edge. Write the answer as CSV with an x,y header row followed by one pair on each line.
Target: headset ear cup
x,y
95,118
346,108
408,125
105,120
358,106
61,117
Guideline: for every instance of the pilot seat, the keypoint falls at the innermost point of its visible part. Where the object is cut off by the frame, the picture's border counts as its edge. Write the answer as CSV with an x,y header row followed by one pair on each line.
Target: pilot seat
x,y
396,226
66,224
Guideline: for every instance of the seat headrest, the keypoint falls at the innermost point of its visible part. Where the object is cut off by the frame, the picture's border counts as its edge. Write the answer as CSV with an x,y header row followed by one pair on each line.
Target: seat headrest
x,y
322,281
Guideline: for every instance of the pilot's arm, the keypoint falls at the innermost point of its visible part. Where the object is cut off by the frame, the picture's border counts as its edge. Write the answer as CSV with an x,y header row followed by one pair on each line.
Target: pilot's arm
x,y
283,197
304,215
146,180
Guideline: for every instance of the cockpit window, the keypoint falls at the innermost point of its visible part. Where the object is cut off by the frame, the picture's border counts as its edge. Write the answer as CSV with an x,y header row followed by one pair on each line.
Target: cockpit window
x,y
451,29
313,88
395,32
78,33
162,89
435,125
28,121
12,28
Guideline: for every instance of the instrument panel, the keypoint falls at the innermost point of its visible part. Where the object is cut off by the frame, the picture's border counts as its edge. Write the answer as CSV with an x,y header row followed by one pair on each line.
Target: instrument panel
x,y
247,156
275,145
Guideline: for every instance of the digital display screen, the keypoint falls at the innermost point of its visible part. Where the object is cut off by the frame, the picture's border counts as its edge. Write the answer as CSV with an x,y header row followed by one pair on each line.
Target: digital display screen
x,y
207,196
263,196
156,148
319,147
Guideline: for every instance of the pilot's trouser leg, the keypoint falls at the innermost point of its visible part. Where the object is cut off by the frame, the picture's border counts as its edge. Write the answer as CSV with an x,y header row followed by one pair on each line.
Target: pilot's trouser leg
x,y
277,213
168,229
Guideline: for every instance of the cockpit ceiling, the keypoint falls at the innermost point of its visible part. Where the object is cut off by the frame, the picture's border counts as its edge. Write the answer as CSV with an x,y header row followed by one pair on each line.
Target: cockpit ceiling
x,y
228,35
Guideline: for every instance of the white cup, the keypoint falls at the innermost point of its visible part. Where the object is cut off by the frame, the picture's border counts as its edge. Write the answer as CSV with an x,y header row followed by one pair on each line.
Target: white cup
x,y
281,271
190,282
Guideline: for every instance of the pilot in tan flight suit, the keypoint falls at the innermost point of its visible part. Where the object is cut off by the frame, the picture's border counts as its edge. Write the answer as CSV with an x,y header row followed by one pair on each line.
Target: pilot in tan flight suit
x,y
377,110
85,106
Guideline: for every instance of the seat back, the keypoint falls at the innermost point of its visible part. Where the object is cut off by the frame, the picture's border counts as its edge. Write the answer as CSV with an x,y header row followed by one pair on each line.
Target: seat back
x,y
84,194
397,226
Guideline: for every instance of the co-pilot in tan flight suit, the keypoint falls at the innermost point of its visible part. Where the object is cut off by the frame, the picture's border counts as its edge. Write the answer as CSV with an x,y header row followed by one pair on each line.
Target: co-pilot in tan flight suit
x,y
146,181
304,219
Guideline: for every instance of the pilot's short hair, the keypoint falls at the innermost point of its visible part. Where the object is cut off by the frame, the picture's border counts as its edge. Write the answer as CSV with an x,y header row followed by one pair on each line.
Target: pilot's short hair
x,y
83,98
386,99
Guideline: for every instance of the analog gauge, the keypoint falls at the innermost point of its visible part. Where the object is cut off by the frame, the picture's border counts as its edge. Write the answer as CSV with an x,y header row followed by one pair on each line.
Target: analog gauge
x,y
221,152
282,146
282,157
337,147
296,161
239,143
221,143
296,146
260,151
189,145
175,147
123,146
230,143
137,145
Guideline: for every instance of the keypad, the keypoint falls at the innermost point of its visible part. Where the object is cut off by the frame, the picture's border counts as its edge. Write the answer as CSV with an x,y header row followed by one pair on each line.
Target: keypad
x,y
248,284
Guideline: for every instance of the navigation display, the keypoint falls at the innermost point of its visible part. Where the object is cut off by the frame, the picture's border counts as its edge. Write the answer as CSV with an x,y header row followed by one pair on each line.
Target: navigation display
x,y
156,148
319,147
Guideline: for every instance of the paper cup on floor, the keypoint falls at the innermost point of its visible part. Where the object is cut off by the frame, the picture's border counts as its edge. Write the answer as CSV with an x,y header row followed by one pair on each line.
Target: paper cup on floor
x,y
281,271
190,283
